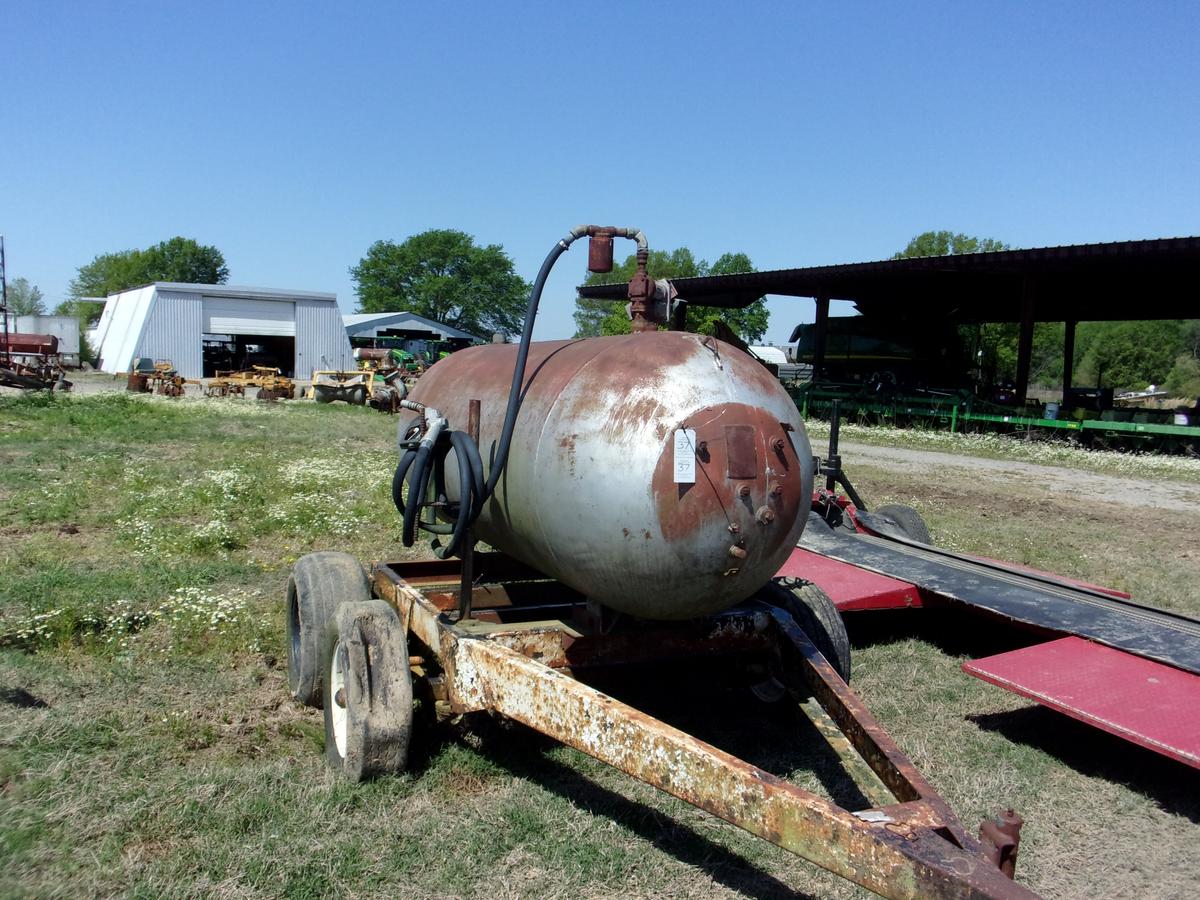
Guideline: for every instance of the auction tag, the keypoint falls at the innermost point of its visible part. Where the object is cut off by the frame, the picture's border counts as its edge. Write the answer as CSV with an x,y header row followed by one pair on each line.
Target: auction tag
x,y
685,456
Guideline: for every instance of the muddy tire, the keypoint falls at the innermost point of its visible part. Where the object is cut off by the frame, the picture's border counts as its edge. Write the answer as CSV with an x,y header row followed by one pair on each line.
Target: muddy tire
x,y
906,520
817,617
368,691
319,583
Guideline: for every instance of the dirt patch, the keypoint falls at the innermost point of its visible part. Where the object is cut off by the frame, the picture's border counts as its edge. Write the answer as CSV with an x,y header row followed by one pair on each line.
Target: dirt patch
x,y
1134,492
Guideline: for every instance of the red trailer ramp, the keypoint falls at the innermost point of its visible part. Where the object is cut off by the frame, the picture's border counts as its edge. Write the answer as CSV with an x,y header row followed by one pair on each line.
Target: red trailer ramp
x,y
1151,704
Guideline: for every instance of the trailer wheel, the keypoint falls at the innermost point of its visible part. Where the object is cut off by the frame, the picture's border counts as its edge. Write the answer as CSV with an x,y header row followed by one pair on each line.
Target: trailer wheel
x,y
318,584
817,617
368,691
906,520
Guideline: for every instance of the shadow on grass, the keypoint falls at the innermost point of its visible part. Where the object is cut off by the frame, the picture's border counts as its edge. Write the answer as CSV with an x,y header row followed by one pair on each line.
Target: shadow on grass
x,y
776,738
724,866
1174,786
956,632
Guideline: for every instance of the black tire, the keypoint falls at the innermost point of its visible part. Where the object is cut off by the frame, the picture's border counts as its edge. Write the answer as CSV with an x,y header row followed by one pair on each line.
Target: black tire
x,y
322,396
906,520
368,691
817,617
319,583
358,395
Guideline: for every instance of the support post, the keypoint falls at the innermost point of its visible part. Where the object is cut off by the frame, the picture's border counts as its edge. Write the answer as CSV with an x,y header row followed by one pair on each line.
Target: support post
x,y
466,581
820,337
679,316
1068,357
1025,339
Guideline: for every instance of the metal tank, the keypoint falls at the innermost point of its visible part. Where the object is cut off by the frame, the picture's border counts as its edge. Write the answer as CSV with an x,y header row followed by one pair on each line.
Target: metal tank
x,y
663,474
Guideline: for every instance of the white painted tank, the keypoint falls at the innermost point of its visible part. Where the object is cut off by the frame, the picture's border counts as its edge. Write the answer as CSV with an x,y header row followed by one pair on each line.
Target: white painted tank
x,y
595,493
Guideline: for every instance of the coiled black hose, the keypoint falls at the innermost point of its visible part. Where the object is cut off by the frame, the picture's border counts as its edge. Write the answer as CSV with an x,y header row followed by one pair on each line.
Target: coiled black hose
x,y
423,461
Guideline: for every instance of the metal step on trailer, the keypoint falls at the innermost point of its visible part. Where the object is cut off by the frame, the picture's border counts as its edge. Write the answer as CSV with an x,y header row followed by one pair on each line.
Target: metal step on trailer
x,y
1035,599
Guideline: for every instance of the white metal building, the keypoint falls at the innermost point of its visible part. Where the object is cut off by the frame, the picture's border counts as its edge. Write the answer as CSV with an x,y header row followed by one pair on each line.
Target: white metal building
x,y
202,327
406,324
65,328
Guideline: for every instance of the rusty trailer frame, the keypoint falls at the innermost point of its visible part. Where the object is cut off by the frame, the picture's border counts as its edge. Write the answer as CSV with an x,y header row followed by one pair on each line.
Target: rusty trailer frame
x,y
498,652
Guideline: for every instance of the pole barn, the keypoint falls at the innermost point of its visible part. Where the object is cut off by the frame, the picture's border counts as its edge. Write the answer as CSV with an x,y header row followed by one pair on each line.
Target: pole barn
x,y
206,328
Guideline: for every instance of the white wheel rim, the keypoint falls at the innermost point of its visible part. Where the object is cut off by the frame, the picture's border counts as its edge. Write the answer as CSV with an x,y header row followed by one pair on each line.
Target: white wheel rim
x,y
337,685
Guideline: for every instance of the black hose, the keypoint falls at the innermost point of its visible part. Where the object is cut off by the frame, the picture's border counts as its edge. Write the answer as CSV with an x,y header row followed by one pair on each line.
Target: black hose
x,y
518,382
418,465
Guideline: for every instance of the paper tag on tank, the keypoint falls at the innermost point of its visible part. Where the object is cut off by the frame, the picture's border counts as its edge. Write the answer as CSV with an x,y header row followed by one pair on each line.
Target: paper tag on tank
x,y
685,456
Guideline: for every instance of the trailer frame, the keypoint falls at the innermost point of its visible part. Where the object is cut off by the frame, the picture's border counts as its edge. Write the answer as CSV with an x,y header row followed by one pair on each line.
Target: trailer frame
x,y
496,650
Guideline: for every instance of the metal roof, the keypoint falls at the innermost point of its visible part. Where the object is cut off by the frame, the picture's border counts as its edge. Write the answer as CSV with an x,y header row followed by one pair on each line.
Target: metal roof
x,y
1155,279
234,291
355,320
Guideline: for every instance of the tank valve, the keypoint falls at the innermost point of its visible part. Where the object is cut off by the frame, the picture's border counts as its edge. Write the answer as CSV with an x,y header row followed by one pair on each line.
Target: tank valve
x,y
776,489
743,491
765,515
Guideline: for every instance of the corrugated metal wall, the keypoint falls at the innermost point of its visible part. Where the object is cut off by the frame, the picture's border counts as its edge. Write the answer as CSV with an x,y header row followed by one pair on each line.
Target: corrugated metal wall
x,y
173,328
321,341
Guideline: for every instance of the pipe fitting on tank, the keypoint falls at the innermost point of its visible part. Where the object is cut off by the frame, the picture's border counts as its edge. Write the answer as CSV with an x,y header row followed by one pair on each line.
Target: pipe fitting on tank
x,y
600,249
765,515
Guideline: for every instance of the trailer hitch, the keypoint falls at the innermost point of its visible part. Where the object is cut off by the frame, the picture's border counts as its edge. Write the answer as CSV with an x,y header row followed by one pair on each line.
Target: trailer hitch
x,y
1001,839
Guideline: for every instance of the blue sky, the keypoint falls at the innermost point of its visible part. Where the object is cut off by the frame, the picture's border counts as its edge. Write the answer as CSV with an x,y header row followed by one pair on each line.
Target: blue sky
x,y
293,135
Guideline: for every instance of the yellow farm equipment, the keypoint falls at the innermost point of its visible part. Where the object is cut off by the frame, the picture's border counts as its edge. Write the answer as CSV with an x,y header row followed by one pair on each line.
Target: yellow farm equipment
x,y
270,383
350,387
382,389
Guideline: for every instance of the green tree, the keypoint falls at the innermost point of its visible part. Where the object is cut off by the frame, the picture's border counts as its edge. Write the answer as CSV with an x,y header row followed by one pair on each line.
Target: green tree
x,y
1127,355
1184,378
947,243
178,259
25,299
596,317
443,275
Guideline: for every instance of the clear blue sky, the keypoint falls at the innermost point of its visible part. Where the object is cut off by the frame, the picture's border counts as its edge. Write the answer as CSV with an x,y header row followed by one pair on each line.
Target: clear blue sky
x,y
293,135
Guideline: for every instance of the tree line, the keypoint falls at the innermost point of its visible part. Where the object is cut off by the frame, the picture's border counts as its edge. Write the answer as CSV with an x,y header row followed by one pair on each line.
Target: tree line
x,y
444,275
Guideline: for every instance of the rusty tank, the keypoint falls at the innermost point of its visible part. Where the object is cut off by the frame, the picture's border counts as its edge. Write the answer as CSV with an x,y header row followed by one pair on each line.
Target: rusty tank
x,y
663,474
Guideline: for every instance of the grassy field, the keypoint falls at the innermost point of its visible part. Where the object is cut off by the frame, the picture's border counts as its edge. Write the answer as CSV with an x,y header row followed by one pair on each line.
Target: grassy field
x,y
148,747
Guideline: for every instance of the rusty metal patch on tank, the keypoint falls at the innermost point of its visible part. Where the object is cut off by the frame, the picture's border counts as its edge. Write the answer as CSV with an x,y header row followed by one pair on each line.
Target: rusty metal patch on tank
x,y
742,454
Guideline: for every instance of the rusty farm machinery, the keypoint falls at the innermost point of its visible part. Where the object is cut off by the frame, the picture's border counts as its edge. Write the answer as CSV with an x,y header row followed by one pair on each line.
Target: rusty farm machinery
x,y
641,493
267,382
156,376
31,362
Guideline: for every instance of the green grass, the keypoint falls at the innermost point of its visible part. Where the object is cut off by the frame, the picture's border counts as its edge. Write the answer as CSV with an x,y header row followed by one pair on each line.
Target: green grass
x,y
146,546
